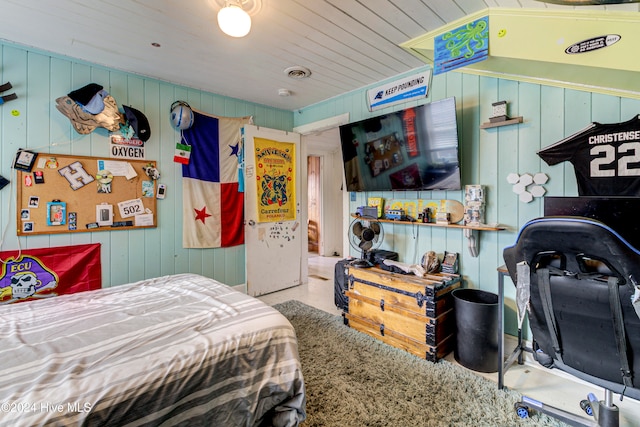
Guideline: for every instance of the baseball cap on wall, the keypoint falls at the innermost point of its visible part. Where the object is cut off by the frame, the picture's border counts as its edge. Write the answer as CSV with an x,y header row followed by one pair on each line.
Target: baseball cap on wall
x,y
138,122
96,105
85,93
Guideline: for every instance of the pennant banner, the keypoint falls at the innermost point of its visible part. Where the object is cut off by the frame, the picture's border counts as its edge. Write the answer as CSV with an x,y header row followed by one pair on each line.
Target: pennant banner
x,y
42,273
275,180
213,208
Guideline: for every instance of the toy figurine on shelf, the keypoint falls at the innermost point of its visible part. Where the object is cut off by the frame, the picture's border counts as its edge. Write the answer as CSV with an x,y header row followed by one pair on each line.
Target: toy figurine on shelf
x,y
443,218
426,215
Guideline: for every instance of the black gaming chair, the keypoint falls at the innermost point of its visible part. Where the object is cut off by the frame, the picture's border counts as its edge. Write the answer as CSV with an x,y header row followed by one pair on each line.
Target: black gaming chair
x,y
582,277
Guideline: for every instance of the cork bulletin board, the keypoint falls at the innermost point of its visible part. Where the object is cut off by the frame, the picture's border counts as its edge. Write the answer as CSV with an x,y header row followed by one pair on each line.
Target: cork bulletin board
x,y
70,194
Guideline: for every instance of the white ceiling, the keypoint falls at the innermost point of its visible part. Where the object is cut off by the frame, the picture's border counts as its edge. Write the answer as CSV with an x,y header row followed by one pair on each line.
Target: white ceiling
x,y
347,44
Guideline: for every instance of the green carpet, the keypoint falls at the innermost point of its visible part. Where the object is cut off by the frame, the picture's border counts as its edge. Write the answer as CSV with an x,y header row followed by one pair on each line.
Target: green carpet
x,y
354,380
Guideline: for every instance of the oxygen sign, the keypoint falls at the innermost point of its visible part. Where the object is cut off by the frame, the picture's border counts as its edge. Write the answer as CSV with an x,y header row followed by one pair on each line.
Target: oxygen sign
x,y
124,148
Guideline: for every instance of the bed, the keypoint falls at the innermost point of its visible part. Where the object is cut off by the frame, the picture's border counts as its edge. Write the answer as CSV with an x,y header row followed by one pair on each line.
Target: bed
x,y
175,350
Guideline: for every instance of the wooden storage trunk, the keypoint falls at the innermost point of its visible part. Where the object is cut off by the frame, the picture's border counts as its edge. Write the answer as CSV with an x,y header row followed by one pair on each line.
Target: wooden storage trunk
x,y
405,311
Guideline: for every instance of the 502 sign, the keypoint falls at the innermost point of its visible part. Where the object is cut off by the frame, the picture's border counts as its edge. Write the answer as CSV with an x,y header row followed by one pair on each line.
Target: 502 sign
x,y
130,208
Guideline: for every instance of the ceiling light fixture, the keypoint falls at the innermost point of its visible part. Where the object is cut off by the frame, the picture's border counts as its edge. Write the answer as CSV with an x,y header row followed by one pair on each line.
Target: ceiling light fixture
x,y
233,20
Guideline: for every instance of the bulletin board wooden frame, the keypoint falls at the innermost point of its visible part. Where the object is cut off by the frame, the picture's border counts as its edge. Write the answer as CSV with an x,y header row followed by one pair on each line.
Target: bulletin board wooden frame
x,y
82,202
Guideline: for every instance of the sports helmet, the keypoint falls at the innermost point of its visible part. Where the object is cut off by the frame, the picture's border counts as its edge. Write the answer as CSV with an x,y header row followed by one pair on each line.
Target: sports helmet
x,y
181,115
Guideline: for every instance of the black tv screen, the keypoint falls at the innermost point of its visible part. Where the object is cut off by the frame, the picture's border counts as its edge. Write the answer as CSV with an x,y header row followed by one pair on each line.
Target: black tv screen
x,y
411,149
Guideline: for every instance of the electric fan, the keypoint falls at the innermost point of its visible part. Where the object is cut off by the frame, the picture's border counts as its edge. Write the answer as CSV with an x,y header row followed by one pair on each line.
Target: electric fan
x,y
364,236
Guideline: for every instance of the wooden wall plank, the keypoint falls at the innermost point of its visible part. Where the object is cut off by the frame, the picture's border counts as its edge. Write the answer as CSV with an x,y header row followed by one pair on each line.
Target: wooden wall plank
x,y
551,131
171,172
153,110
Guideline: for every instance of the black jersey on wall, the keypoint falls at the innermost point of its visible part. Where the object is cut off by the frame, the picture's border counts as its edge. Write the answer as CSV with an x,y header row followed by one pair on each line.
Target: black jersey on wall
x,y
606,158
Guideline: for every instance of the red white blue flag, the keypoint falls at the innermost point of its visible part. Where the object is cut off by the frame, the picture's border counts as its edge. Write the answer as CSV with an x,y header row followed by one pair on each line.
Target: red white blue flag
x,y
213,208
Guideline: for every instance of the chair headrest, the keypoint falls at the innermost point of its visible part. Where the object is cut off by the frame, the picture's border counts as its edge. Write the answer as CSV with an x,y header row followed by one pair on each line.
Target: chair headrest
x,y
578,244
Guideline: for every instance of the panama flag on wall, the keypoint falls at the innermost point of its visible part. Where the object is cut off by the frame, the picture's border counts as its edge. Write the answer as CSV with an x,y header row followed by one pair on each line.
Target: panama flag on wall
x,y
213,208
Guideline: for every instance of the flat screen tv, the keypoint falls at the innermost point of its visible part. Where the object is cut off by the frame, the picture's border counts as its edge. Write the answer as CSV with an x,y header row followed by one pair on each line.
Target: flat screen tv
x,y
411,149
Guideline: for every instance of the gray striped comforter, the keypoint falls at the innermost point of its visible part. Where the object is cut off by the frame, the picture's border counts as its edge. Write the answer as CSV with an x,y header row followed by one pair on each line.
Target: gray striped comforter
x,y
175,350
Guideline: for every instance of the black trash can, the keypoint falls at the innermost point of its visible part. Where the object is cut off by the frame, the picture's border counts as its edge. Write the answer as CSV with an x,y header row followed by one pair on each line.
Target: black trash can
x,y
476,313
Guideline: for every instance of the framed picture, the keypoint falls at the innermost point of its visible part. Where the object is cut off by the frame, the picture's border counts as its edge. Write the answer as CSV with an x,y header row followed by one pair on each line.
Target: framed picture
x,y
104,214
56,213
450,262
73,221
25,160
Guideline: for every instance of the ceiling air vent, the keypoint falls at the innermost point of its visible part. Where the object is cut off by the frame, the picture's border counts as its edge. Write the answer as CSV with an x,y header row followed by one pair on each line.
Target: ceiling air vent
x,y
297,72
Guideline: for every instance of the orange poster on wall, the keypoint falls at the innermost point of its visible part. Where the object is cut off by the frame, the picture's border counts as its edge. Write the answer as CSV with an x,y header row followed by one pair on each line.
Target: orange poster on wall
x,y
275,180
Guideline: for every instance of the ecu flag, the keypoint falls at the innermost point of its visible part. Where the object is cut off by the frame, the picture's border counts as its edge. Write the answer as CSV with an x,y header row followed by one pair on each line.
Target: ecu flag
x,y
43,273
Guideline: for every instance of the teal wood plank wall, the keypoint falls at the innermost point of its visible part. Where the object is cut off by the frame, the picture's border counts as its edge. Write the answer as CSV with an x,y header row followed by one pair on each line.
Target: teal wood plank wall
x,y
38,79
487,157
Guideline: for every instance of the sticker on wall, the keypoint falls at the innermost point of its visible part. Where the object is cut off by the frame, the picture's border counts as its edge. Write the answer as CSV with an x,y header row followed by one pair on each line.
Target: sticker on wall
x,y
76,175
281,232
594,43
528,186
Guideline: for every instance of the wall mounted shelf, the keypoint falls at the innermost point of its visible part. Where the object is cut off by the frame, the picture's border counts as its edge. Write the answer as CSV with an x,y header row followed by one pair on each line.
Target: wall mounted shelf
x,y
512,121
433,224
469,230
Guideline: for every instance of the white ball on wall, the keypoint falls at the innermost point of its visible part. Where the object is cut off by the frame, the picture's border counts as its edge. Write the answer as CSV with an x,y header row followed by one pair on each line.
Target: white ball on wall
x,y
181,115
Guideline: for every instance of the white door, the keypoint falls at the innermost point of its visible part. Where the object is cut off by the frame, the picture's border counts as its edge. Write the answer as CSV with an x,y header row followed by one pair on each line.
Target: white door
x,y
273,227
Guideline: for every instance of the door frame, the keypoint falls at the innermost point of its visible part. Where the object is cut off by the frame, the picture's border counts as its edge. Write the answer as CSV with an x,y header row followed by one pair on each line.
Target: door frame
x,y
308,131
